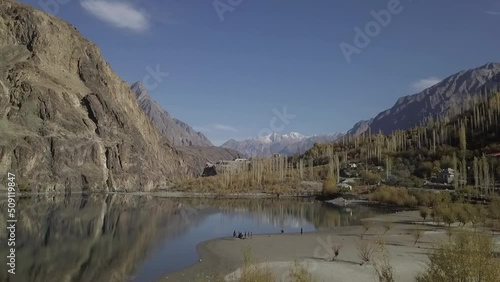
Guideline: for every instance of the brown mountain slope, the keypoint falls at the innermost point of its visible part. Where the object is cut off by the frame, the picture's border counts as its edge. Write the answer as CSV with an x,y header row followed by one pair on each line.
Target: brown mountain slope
x,y
453,92
67,121
178,132
196,148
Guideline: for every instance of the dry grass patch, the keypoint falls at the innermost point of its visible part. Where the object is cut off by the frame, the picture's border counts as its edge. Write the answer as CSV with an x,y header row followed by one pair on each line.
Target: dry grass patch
x,y
299,273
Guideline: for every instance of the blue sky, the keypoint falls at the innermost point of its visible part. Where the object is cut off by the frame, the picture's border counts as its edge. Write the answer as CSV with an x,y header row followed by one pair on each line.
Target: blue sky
x,y
231,62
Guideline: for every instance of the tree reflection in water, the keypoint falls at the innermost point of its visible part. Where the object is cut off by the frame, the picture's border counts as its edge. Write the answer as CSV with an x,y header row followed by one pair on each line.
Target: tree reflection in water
x,y
106,237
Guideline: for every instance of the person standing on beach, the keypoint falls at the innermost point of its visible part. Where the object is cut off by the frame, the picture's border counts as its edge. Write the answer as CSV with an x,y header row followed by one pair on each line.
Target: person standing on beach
x,y
301,231
234,233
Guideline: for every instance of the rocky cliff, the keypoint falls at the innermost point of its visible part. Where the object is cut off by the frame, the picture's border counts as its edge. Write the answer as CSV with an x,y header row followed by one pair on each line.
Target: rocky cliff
x,y
67,121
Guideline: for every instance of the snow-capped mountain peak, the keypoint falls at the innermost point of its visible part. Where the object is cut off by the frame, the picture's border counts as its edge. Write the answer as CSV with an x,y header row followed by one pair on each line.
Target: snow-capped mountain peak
x,y
294,135
289,144
276,137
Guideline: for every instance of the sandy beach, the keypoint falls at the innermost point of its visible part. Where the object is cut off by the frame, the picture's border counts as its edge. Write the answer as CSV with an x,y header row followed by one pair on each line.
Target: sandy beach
x,y
314,250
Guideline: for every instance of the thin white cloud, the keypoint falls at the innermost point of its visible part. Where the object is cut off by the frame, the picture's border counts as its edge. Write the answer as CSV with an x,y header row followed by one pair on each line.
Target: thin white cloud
x,y
493,13
215,127
223,127
425,83
118,14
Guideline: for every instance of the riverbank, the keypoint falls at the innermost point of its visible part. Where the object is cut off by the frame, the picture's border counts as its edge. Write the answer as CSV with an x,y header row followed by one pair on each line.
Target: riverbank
x,y
314,250
180,194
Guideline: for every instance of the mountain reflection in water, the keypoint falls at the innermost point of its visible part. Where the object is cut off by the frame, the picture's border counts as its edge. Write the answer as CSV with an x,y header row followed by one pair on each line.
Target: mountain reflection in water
x,y
116,237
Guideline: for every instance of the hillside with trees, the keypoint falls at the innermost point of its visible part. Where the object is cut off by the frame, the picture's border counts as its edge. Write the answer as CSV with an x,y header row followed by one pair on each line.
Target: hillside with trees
x,y
464,140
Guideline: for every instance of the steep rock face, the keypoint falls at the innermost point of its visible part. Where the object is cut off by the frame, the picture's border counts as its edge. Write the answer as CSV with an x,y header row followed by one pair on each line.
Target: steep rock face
x,y
454,91
360,127
68,122
178,132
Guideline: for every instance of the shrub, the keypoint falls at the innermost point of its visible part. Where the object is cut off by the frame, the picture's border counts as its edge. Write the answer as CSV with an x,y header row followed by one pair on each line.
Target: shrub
x,y
366,225
468,258
423,198
365,251
417,234
329,186
494,208
387,226
448,216
449,232
424,212
394,196
23,187
336,250
252,271
461,213
383,268
371,177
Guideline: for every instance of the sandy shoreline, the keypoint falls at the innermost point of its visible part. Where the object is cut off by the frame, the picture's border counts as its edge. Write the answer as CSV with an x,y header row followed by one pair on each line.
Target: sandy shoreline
x,y
224,256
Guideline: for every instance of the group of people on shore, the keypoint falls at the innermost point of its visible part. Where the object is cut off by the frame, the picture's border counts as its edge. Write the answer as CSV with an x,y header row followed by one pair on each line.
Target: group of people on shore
x,y
245,235
242,235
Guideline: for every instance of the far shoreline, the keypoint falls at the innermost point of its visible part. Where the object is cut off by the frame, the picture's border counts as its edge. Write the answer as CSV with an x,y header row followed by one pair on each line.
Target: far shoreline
x,y
173,194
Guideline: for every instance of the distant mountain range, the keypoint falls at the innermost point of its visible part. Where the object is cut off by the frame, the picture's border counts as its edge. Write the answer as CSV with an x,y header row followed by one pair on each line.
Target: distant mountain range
x,y
288,144
452,92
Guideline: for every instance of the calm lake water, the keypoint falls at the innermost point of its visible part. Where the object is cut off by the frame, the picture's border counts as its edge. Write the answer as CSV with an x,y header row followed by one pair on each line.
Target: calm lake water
x,y
139,238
